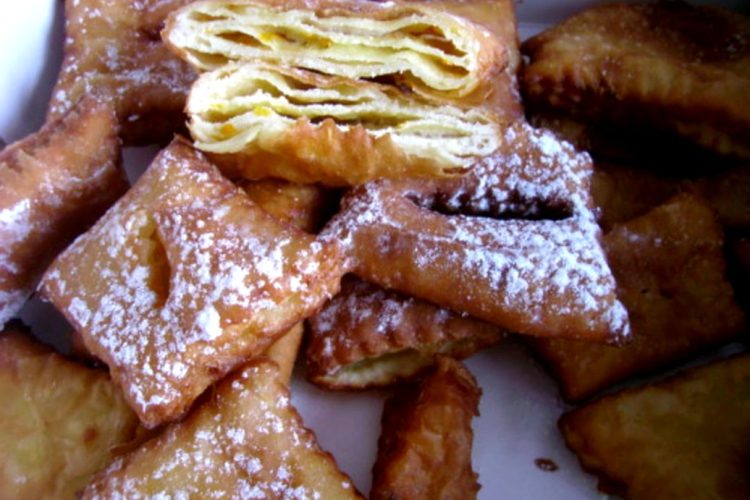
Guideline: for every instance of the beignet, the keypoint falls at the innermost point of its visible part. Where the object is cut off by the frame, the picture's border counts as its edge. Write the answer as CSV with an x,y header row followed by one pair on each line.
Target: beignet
x,y
183,279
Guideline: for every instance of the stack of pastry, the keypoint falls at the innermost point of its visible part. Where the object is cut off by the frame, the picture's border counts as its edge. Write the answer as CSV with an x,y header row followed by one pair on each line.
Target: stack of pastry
x,y
360,171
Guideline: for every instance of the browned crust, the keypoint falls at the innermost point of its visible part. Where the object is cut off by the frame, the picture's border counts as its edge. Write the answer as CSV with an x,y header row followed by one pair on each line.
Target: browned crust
x,y
365,323
424,450
671,275
492,57
113,47
683,437
63,178
325,153
61,421
237,426
667,65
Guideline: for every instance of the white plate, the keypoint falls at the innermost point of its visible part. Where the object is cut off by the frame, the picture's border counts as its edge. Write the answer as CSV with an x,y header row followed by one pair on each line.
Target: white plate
x,y
520,404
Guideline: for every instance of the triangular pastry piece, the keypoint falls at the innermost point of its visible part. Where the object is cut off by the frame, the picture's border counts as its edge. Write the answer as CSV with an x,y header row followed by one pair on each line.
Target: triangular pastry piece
x,y
53,185
244,441
183,279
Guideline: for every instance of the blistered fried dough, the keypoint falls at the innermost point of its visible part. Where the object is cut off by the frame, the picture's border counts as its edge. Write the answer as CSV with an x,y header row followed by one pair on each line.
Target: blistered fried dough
x,y
367,337
244,441
53,185
183,279
728,193
670,65
423,49
424,449
61,422
686,437
260,120
113,47
670,269
526,259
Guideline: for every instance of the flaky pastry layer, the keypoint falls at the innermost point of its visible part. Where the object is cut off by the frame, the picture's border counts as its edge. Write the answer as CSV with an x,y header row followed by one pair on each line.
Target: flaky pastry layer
x,y
267,120
427,50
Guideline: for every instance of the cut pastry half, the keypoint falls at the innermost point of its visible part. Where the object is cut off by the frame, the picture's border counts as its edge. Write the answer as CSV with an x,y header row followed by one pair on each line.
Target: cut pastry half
x,y
264,120
429,51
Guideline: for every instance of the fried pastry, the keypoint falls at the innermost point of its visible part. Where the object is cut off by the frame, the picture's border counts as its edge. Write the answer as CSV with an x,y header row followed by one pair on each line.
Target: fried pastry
x,y
53,185
410,44
61,422
113,47
305,206
671,274
244,441
183,279
686,437
665,65
260,120
424,449
368,337
513,243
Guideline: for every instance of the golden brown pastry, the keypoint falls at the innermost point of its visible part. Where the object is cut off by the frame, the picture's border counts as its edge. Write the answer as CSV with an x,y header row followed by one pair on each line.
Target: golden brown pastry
x,y
366,336
113,47
305,206
665,65
671,275
424,449
183,279
410,44
260,120
60,422
53,185
685,437
513,243
246,440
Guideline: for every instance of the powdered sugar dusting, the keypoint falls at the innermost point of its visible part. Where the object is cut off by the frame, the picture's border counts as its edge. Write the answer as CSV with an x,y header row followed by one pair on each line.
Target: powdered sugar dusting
x,y
541,277
180,266
224,450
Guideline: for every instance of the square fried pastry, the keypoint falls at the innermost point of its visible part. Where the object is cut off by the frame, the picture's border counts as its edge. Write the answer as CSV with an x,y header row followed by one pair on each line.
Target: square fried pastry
x,y
514,242
60,422
183,279
685,437
671,274
114,47
53,185
367,336
666,65
424,450
243,441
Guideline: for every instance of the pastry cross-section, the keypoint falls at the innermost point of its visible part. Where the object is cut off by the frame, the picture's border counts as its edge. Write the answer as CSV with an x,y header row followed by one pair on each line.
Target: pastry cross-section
x,y
183,279
264,120
245,441
53,186
421,48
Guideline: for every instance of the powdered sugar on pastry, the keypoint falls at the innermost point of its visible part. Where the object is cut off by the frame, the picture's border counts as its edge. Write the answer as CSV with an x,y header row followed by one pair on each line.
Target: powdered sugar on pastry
x,y
546,277
247,441
184,278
